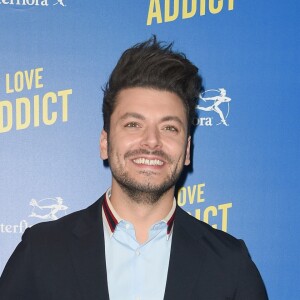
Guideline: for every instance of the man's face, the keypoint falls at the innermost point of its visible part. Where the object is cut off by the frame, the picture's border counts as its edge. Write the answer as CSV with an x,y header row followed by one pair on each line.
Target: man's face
x,y
147,146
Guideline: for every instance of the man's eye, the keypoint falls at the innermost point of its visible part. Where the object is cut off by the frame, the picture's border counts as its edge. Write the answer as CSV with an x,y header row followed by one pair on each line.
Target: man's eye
x,y
171,128
132,124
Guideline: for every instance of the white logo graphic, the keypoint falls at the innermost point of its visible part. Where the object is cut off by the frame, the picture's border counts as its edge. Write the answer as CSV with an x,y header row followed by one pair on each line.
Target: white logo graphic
x,y
60,2
47,208
218,96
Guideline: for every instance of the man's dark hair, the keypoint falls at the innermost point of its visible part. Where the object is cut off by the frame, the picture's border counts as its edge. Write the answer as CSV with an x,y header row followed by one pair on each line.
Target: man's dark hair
x,y
153,64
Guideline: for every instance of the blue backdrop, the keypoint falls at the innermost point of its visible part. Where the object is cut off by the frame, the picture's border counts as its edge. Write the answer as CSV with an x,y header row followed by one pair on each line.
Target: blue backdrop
x,y
56,55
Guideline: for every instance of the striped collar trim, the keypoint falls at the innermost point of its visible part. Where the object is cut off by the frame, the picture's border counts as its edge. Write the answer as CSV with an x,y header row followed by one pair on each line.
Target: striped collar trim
x,y
111,219
169,219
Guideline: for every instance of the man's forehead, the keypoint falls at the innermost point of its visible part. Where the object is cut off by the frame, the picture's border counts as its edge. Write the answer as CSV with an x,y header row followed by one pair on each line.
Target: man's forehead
x,y
138,100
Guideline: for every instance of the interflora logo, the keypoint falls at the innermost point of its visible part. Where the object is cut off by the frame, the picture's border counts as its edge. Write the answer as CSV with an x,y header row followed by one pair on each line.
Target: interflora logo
x,y
24,3
214,107
46,209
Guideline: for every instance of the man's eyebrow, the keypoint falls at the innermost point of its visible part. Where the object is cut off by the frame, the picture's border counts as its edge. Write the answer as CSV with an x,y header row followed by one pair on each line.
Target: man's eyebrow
x,y
141,117
132,115
172,118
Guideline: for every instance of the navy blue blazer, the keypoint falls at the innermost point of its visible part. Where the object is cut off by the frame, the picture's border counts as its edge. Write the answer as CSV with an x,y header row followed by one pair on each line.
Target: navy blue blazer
x,y
65,259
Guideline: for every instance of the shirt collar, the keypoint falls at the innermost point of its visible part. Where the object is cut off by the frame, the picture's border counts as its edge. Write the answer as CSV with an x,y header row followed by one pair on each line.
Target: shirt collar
x,y
111,219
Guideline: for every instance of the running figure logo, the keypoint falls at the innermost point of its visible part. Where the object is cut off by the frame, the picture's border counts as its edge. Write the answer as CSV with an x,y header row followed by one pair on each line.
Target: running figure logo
x,y
47,208
218,96
60,2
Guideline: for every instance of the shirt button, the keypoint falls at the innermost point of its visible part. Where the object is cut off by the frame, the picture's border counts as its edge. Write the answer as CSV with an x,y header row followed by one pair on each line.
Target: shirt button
x,y
137,253
138,298
127,226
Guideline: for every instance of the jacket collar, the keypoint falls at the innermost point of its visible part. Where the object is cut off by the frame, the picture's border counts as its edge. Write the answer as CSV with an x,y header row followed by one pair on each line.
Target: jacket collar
x,y
88,253
186,252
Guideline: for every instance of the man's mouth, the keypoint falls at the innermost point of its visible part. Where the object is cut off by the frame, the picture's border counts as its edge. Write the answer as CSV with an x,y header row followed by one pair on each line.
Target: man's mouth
x,y
148,162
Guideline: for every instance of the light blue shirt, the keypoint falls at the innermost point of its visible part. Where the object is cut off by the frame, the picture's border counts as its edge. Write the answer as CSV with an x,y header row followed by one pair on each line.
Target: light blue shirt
x,y
136,271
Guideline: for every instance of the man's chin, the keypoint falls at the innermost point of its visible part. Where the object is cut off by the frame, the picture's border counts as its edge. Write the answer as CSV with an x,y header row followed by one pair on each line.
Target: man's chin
x,y
149,184
141,192
147,188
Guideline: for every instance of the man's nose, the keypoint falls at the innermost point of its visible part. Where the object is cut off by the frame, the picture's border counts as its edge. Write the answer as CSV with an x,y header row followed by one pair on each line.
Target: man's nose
x,y
151,139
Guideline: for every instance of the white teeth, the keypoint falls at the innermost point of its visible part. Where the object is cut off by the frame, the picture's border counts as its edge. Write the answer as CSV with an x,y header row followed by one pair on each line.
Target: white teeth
x,y
149,162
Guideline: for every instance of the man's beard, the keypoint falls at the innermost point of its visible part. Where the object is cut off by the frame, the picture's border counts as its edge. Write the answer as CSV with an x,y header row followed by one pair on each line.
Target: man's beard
x,y
147,192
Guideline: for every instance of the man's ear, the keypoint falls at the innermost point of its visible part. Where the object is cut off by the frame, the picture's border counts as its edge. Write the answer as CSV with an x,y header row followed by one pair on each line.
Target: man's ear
x,y
103,145
188,152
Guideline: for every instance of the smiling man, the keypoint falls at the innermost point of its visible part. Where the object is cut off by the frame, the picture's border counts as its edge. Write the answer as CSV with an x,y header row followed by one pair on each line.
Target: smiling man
x,y
134,242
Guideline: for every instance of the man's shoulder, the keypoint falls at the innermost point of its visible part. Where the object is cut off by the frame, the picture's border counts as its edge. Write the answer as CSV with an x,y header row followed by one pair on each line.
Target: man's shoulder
x,y
215,239
64,225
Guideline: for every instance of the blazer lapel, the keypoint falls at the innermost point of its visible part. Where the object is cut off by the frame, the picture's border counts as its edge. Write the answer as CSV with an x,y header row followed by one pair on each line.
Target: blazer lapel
x,y
186,253
88,254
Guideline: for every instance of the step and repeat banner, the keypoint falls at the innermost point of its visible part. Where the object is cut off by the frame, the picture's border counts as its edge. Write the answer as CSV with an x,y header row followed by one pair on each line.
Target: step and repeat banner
x,y
55,57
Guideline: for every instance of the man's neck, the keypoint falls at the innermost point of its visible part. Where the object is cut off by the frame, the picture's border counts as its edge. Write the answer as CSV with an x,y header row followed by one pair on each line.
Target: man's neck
x,y
141,214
